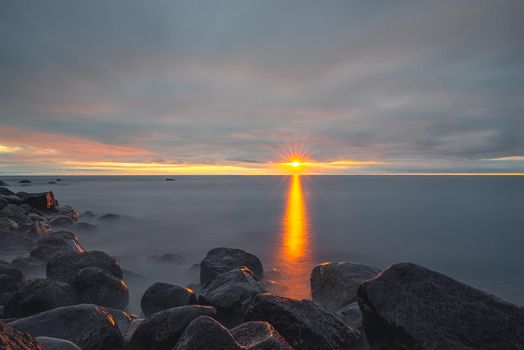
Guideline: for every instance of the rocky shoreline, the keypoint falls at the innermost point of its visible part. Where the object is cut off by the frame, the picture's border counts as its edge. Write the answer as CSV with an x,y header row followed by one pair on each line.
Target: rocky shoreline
x,y
82,303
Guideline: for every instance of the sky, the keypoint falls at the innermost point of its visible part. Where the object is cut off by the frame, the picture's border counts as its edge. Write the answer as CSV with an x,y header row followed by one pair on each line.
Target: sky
x,y
239,87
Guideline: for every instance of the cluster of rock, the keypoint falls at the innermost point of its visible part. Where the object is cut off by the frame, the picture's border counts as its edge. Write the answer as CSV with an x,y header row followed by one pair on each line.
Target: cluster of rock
x,y
81,304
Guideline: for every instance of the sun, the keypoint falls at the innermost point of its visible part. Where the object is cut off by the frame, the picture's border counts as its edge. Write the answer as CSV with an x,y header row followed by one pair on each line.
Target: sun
x,y
295,163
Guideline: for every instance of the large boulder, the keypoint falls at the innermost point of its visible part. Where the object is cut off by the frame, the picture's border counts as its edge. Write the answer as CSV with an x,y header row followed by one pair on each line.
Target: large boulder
x,y
161,296
10,279
16,213
65,267
206,333
220,260
230,293
88,326
351,315
258,335
29,264
11,339
50,343
303,323
123,319
411,307
162,330
56,243
334,285
40,295
41,201
97,286
63,210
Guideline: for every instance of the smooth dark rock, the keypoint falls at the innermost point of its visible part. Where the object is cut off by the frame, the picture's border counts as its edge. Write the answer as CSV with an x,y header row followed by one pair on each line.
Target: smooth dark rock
x,y
55,244
167,259
161,296
11,279
109,218
40,295
11,339
258,335
334,285
61,221
162,330
123,319
220,260
29,264
64,210
411,307
65,267
24,181
170,179
303,323
206,333
58,179
88,326
351,315
131,330
15,213
98,286
41,201
50,343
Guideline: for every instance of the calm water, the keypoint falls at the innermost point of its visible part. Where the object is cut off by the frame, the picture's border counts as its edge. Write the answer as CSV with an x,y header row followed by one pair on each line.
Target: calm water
x,y
471,228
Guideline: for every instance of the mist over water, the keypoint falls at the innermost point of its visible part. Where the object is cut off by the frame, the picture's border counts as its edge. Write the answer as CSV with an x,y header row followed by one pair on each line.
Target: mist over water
x,y
471,228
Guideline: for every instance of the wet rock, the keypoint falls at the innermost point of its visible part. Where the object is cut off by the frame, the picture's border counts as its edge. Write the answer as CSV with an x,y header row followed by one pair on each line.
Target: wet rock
x,y
55,244
65,267
40,201
50,343
10,279
58,180
167,259
40,295
411,307
161,296
220,260
334,285
206,333
12,199
6,192
258,335
230,293
11,339
3,183
303,323
109,218
162,330
15,213
29,264
131,329
8,225
25,181
123,319
351,315
97,286
88,326
64,210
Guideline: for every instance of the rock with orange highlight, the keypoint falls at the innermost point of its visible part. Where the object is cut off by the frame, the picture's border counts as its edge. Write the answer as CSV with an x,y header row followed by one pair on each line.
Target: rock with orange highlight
x,y
88,326
97,286
11,339
258,335
220,260
40,201
55,244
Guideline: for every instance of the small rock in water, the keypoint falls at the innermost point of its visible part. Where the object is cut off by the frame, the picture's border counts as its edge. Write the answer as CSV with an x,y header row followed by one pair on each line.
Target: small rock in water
x,y
170,179
58,180
11,339
206,333
97,286
52,183
50,343
168,259
258,335
161,296
220,260
87,214
25,181
109,218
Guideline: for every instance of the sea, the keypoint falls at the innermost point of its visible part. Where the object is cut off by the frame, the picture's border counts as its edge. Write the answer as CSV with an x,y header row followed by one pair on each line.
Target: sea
x,y
468,227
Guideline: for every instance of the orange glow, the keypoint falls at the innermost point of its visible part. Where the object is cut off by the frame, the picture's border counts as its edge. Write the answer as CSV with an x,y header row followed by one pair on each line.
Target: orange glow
x,y
293,260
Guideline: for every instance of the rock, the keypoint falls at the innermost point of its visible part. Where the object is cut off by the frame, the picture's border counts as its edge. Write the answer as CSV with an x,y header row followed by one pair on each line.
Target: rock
x,y
55,244
40,295
87,215
52,183
161,296
109,218
50,343
39,228
131,329
258,335
8,225
61,221
411,307
15,213
58,180
3,183
6,192
230,293
351,315
334,285
11,339
29,264
169,179
97,286
206,333
220,260
162,330
65,267
85,227
24,181
88,326
12,199
123,319
40,201
64,210
193,273
11,279
303,323
167,259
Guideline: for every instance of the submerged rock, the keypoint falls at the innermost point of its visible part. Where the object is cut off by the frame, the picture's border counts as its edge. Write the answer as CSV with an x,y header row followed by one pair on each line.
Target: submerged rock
x,y
87,215
334,285
65,267
11,339
206,333
109,218
25,181
258,335
97,286
50,343
303,323
167,259
220,260
411,307
55,244
88,326
161,296
162,330
40,295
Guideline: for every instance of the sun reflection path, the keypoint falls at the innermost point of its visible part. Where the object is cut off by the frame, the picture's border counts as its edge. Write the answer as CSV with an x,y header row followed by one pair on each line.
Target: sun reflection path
x,y
293,260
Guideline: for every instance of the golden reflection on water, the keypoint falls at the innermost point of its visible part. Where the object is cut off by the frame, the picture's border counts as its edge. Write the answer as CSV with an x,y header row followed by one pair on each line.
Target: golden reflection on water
x,y
293,260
